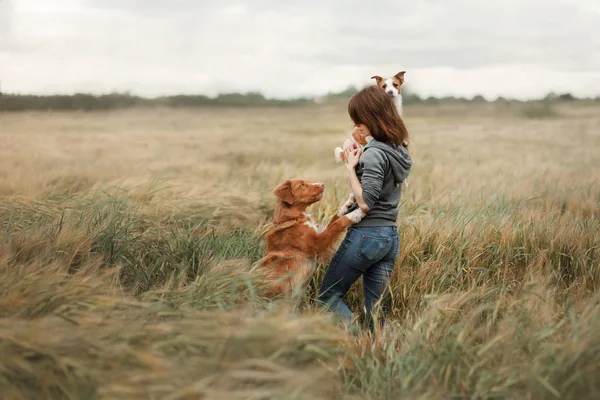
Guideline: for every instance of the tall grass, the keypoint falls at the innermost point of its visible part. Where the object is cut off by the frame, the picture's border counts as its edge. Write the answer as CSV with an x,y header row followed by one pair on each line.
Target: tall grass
x,y
140,293
481,344
148,251
482,306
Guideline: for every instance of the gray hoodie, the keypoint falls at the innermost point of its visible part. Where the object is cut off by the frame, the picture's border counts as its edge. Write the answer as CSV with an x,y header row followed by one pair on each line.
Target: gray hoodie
x,y
382,169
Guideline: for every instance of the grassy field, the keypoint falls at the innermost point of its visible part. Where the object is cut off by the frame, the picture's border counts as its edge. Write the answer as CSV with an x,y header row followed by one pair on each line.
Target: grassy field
x,y
128,242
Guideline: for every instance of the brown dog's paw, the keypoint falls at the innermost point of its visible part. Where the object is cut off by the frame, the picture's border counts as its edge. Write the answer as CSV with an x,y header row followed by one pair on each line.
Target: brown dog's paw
x,y
346,206
356,215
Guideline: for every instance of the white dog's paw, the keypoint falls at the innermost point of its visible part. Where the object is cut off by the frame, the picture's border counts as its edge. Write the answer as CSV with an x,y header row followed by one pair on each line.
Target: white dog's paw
x,y
338,154
356,216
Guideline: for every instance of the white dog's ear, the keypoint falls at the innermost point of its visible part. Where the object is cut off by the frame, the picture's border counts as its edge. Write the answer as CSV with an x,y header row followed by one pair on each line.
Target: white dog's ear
x,y
377,78
284,192
400,76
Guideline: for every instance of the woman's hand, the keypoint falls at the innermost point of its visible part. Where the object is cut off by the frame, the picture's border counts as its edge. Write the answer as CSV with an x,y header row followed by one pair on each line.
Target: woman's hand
x,y
349,145
353,157
351,163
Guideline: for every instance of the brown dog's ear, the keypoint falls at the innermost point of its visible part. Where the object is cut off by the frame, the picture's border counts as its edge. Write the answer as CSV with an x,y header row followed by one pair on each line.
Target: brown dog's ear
x,y
400,76
360,140
377,78
284,192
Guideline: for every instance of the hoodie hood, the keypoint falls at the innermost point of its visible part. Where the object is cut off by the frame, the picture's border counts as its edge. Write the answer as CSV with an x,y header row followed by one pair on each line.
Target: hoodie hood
x,y
398,156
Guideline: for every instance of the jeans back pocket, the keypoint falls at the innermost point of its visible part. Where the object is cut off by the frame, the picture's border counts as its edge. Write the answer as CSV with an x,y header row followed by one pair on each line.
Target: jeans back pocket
x,y
373,248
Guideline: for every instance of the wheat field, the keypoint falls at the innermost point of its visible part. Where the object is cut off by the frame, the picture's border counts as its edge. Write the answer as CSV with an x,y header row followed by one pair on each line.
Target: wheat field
x,y
128,243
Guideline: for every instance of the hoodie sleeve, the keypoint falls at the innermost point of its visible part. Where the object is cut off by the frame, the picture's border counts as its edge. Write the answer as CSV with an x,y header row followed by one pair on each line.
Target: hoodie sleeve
x,y
374,164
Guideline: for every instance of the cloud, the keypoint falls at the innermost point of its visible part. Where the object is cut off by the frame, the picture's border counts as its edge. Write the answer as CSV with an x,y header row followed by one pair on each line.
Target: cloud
x,y
6,15
285,49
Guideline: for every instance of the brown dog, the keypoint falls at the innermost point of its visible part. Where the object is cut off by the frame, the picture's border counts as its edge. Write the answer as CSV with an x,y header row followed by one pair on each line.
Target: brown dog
x,y
294,243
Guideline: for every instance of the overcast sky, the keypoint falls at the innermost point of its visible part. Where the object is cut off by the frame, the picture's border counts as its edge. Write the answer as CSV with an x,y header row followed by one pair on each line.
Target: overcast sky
x,y
513,48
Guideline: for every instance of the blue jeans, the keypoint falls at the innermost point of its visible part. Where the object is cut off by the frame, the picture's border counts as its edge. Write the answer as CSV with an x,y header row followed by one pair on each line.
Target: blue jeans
x,y
370,252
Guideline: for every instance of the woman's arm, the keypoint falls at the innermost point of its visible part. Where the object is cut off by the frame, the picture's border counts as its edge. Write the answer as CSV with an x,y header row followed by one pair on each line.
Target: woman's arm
x,y
357,188
373,173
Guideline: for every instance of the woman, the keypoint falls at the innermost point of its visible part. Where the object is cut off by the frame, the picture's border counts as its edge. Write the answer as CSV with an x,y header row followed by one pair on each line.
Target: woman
x,y
371,247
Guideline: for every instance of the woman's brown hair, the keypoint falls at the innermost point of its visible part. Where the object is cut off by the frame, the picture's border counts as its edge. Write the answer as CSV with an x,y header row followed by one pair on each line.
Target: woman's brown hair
x,y
372,107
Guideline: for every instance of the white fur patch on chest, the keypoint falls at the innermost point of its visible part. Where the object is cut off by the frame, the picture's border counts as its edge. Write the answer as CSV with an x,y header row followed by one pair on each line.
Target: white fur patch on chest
x,y
311,223
398,102
389,88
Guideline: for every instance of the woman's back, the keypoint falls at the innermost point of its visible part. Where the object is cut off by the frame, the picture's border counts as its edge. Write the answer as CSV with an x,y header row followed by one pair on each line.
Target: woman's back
x,y
382,169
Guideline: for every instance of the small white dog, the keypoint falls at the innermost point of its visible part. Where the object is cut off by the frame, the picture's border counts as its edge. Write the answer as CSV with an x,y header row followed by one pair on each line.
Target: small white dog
x,y
392,87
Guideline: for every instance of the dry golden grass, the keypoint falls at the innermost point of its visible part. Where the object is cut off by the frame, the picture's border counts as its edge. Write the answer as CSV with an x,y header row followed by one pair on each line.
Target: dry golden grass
x,y
237,155
127,238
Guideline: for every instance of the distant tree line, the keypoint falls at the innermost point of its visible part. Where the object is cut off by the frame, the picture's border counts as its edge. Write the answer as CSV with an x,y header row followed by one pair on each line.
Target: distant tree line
x,y
113,101
410,97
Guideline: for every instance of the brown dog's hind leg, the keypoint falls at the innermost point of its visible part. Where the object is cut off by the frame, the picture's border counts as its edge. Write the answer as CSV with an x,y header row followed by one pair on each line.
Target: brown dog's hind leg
x,y
288,274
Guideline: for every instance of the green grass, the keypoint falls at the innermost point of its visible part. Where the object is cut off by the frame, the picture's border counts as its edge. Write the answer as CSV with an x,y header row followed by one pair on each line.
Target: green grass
x,y
485,346
148,250
150,290
495,302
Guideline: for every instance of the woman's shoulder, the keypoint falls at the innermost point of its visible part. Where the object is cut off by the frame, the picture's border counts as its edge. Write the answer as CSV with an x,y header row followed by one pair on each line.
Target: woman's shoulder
x,y
379,146
374,154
